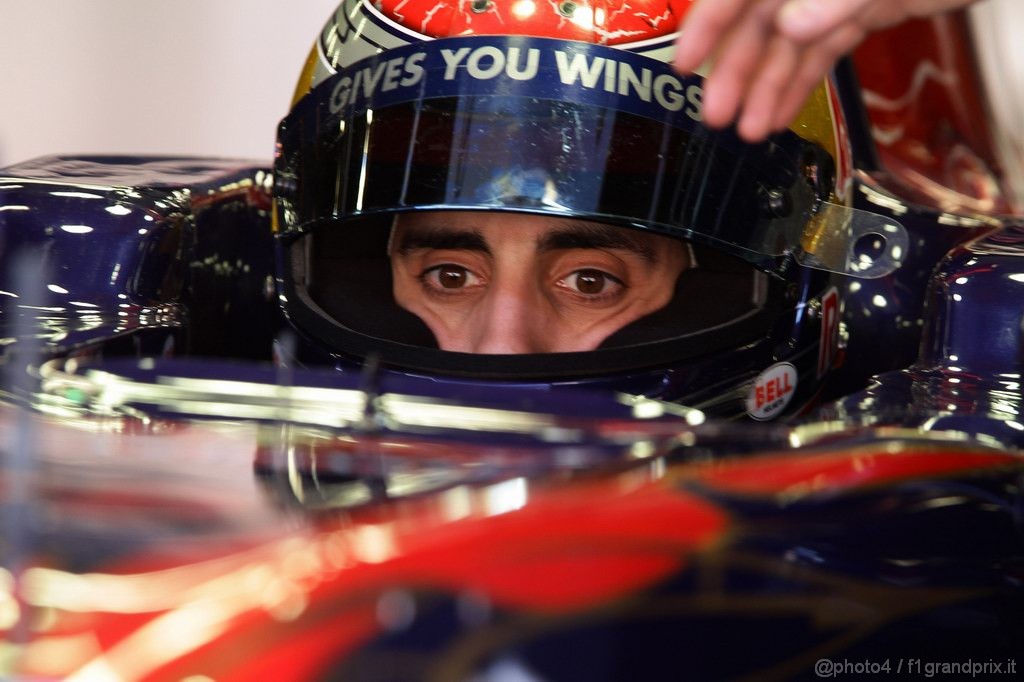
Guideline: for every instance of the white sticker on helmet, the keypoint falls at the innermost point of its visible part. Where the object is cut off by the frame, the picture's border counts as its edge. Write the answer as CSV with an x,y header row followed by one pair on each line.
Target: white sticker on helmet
x,y
772,391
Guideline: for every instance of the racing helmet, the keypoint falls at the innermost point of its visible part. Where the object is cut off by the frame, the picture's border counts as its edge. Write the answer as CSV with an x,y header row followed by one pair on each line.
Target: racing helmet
x,y
566,111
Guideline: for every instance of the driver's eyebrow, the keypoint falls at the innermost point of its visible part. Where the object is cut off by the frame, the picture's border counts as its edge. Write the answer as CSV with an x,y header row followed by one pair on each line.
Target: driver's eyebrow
x,y
431,237
584,235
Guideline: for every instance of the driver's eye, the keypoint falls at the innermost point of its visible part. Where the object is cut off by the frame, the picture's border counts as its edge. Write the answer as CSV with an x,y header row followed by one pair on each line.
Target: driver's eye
x,y
589,282
452,278
449,276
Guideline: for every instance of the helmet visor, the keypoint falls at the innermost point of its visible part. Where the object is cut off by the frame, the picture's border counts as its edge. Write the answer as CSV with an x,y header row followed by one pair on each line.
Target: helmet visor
x,y
551,127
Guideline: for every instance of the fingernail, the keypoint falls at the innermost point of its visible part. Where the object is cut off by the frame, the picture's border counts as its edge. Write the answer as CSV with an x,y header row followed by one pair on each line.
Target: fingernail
x,y
752,130
716,112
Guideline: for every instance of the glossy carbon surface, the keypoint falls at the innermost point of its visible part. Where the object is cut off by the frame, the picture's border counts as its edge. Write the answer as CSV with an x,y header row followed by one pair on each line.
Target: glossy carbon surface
x,y
151,251
304,553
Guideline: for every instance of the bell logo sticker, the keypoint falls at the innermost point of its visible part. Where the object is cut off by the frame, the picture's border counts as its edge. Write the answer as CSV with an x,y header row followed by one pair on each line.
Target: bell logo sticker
x,y
772,391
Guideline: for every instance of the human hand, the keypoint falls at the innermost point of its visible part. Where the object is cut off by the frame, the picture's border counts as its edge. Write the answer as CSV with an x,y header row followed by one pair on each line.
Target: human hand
x,y
768,55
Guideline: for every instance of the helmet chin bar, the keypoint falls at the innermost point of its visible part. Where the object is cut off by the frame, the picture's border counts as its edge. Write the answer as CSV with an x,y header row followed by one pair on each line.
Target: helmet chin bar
x,y
852,242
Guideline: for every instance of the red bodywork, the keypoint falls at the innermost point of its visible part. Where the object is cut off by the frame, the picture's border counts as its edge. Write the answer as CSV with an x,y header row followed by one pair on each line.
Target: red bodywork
x,y
926,104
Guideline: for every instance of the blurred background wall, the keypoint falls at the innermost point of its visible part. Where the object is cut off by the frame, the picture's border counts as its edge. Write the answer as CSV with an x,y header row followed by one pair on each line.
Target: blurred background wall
x,y
208,77
997,26
213,77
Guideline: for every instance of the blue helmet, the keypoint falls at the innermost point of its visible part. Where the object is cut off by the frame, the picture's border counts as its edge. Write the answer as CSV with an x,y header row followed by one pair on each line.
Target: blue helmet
x,y
569,121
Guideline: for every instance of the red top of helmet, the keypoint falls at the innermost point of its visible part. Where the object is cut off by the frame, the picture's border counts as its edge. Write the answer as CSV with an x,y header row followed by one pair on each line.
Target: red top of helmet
x,y
594,21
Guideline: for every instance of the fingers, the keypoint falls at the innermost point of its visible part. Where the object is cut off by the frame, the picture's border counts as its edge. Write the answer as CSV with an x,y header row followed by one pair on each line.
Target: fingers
x,y
771,85
770,54
815,62
731,76
705,25
758,116
761,75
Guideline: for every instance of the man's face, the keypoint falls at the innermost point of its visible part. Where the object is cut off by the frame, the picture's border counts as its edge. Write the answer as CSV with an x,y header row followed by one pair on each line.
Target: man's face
x,y
489,282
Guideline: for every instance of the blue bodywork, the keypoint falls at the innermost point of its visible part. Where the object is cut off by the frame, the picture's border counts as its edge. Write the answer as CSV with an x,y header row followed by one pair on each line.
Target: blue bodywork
x,y
165,255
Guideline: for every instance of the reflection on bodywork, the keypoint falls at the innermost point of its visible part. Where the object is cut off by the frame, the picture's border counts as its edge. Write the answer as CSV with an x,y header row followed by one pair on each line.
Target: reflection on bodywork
x,y
334,407
204,557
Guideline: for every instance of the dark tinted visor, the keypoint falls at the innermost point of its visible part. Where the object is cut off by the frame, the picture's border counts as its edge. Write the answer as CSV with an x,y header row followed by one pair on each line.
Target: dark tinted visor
x,y
554,127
